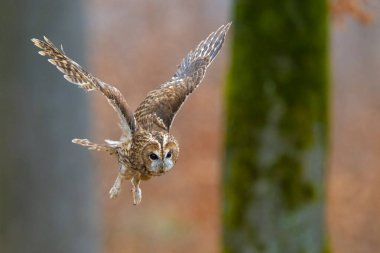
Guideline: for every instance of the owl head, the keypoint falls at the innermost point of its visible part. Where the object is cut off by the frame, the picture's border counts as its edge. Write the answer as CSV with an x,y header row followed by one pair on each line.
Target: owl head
x,y
158,153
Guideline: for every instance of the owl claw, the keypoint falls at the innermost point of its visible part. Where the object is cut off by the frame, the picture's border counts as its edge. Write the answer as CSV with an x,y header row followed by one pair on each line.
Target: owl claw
x,y
136,195
114,192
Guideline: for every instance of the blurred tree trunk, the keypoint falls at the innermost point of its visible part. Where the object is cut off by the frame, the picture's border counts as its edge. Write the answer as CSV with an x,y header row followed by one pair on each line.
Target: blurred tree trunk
x,y
277,128
47,200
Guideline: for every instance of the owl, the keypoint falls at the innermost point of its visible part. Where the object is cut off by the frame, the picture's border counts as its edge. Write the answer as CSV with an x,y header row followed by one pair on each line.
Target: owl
x,y
146,148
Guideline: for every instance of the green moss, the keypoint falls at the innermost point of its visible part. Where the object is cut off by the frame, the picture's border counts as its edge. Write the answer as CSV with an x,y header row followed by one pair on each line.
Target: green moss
x,y
326,247
277,100
287,174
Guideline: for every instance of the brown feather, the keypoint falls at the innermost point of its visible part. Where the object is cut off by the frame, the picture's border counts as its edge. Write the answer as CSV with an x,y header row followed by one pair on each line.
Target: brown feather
x,y
75,74
162,104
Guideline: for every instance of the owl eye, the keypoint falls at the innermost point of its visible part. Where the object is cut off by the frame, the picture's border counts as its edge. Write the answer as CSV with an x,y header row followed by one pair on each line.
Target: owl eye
x,y
153,156
169,154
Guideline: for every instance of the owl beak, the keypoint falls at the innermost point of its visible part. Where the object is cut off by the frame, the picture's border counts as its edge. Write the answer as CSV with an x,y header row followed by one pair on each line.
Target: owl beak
x,y
162,168
167,166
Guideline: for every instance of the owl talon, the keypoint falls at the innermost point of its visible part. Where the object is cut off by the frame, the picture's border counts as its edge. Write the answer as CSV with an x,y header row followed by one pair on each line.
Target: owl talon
x,y
116,188
114,192
136,196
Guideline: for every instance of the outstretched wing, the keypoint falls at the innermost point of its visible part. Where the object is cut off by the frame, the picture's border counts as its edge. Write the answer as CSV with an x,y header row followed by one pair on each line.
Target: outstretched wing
x,y
160,106
77,75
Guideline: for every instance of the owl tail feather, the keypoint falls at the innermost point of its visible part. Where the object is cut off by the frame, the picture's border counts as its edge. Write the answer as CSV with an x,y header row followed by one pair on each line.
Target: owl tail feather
x,y
93,146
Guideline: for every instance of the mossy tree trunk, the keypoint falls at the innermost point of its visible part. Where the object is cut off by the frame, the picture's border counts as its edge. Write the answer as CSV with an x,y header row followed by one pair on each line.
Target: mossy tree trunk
x,y
277,128
47,199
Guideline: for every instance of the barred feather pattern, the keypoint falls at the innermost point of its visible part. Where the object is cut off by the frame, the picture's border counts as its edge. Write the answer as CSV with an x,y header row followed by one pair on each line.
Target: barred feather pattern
x,y
75,74
202,56
93,146
162,104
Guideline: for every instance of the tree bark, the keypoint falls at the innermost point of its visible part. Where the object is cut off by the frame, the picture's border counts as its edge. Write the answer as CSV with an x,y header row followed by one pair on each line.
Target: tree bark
x,y
47,200
277,128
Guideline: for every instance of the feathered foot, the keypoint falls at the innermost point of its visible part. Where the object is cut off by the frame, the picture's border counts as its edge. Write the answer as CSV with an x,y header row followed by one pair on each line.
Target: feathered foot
x,y
137,195
116,188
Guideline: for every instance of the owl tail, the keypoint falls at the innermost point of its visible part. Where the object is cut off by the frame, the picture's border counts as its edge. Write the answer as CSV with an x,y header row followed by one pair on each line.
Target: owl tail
x,y
93,146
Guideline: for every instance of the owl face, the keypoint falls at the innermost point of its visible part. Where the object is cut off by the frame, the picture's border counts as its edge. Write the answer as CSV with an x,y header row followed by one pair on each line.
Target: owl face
x,y
160,153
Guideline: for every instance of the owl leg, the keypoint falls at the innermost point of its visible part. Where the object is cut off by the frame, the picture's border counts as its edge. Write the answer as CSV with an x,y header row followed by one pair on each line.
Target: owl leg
x,y
136,190
115,189
124,173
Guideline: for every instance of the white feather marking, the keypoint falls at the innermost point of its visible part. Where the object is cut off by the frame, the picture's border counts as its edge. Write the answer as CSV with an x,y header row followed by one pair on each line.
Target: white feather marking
x,y
68,78
60,69
112,143
52,61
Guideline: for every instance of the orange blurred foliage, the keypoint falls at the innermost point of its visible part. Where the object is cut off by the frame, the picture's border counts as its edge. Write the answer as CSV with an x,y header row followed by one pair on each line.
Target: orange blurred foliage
x,y
358,9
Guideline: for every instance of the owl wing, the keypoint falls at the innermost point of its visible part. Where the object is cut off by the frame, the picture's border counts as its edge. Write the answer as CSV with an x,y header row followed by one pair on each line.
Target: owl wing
x,y
77,75
161,105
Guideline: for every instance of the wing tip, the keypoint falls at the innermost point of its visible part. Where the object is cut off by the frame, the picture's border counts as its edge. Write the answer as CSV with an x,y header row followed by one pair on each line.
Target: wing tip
x,y
207,49
227,27
43,44
46,39
38,43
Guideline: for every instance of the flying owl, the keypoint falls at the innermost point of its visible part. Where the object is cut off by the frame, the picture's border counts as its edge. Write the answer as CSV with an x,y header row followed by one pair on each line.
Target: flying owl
x,y
146,148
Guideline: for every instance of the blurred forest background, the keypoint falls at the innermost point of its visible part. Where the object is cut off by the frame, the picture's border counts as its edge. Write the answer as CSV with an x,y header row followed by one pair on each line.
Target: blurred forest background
x,y
54,195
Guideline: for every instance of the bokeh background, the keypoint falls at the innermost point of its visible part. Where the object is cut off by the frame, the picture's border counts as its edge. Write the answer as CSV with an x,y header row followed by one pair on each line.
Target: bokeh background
x,y
137,45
